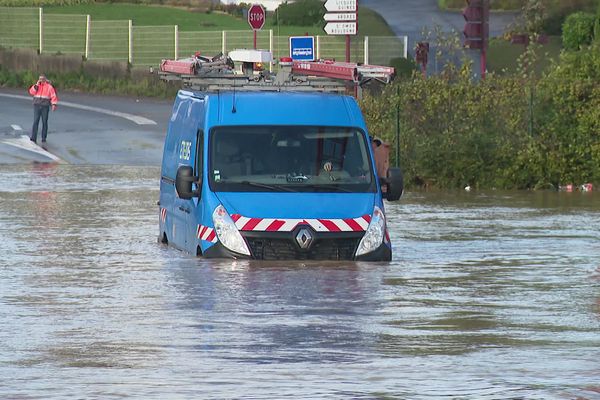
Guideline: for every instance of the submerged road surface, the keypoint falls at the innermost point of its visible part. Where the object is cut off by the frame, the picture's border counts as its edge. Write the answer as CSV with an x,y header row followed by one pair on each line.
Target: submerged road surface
x,y
490,295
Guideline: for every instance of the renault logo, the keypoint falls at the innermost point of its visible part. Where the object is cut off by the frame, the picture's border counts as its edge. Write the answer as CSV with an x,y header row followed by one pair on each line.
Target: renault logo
x,y
304,238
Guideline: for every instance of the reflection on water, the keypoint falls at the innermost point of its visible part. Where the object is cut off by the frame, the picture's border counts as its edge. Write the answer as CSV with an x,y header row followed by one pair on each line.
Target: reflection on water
x,y
490,295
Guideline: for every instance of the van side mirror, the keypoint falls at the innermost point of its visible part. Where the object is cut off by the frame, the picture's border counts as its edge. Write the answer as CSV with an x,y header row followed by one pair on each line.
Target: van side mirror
x,y
395,184
183,182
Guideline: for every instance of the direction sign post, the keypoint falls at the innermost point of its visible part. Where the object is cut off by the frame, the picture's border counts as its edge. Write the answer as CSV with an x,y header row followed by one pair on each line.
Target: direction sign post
x,y
256,19
339,17
342,19
341,5
341,28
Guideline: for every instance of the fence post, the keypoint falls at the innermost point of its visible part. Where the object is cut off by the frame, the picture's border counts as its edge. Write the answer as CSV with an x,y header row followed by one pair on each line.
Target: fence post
x,y
318,47
88,23
271,49
405,46
176,42
366,50
224,43
41,17
130,47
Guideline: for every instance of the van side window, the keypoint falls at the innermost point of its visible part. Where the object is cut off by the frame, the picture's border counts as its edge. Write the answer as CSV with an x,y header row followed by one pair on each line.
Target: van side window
x,y
200,159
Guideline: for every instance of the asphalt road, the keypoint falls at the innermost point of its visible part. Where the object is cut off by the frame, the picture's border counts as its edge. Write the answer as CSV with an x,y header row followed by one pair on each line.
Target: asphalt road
x,y
411,17
86,129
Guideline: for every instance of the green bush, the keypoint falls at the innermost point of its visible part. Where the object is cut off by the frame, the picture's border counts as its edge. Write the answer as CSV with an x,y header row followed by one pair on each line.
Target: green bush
x,y
300,13
505,132
578,30
405,67
570,120
557,12
237,10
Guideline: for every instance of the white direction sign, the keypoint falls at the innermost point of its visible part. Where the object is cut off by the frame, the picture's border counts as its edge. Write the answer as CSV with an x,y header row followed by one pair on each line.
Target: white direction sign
x,y
340,5
332,17
341,28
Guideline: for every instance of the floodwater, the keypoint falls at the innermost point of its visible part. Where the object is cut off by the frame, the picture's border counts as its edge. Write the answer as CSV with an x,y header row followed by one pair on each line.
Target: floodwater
x,y
492,295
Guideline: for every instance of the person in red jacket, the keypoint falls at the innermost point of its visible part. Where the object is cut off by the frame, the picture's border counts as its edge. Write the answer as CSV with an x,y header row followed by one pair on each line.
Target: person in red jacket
x,y
44,97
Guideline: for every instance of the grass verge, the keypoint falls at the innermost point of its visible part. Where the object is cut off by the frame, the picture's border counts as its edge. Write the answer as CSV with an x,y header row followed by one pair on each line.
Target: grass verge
x,y
503,55
82,82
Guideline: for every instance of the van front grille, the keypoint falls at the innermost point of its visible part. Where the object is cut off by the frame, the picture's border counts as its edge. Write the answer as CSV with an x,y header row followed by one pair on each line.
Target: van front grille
x,y
287,249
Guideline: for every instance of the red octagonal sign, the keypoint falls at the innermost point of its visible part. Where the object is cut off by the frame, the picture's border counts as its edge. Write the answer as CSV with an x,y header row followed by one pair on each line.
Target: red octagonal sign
x,y
256,17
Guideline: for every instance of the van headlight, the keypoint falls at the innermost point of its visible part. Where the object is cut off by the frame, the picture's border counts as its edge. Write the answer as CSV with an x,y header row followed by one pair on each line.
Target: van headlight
x,y
374,234
227,232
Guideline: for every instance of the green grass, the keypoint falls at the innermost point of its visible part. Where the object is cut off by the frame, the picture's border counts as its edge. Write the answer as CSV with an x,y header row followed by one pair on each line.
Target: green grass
x,y
154,15
371,23
503,55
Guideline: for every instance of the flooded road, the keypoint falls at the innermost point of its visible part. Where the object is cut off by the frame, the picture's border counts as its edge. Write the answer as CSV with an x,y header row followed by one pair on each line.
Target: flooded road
x,y
490,295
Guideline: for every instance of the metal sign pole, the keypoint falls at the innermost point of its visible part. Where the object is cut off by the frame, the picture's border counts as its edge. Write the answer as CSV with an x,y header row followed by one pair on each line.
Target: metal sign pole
x,y
398,127
347,48
485,32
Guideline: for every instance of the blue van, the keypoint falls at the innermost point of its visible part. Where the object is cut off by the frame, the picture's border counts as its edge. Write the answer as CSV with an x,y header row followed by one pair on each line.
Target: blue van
x,y
273,176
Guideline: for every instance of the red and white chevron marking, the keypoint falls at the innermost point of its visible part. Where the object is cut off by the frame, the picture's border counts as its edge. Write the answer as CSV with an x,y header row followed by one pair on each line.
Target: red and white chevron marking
x,y
359,224
206,233
163,214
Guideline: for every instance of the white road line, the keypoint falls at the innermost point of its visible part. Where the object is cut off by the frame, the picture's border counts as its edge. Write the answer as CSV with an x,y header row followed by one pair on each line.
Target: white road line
x,y
16,127
131,117
24,143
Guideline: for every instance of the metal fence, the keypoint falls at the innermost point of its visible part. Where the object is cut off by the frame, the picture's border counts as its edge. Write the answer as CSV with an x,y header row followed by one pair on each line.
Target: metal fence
x,y
22,27
19,27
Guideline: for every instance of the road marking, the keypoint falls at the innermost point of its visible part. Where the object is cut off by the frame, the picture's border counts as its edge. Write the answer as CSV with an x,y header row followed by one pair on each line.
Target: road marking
x,y
131,117
16,127
25,143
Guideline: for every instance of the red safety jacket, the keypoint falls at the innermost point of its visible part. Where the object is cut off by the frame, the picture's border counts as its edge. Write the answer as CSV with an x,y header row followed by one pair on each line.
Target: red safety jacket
x,y
43,94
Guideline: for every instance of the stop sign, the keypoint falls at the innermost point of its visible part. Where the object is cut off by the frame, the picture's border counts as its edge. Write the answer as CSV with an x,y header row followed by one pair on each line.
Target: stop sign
x,y
256,17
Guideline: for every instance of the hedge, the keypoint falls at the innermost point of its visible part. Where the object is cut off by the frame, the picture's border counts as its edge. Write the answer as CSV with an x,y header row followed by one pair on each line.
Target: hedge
x,y
578,30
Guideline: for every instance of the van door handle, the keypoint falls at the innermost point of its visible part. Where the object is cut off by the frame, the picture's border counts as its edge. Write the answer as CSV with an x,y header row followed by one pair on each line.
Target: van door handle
x,y
184,209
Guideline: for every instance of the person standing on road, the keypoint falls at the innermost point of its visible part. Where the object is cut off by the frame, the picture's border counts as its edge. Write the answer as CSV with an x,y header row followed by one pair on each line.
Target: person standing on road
x,y
44,97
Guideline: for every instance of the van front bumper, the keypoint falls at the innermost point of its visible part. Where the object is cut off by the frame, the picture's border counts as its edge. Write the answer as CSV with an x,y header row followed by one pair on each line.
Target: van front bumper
x,y
219,251
278,246
383,253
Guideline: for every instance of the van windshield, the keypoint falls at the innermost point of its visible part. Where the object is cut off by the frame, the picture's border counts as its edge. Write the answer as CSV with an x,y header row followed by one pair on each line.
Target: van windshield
x,y
289,158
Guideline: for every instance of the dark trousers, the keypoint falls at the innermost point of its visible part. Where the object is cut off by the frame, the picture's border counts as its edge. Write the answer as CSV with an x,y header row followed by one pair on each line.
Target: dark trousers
x,y
40,111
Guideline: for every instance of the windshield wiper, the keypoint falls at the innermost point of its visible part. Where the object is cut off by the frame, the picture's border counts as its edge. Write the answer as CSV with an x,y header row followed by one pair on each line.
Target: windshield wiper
x,y
270,187
332,188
